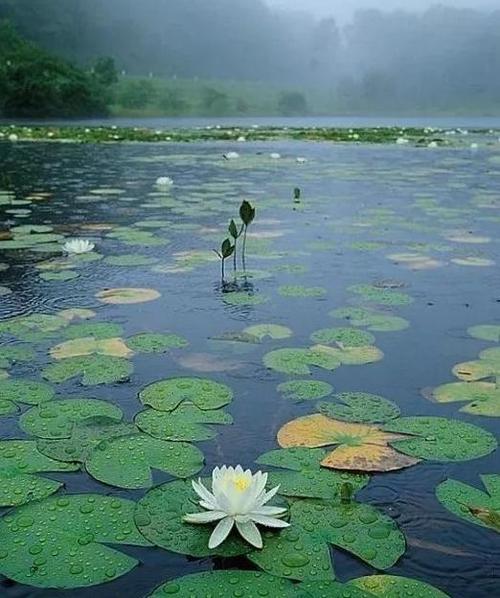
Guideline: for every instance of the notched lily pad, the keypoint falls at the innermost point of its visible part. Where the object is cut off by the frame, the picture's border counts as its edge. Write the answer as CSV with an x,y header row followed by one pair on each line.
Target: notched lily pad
x,y
127,296
30,392
155,343
305,390
346,337
485,332
360,407
167,395
93,370
483,398
273,331
298,361
372,320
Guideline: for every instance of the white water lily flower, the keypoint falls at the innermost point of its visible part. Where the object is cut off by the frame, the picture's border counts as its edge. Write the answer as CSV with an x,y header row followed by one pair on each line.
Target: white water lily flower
x,y
301,160
238,498
433,144
402,141
275,156
164,181
78,246
13,137
231,156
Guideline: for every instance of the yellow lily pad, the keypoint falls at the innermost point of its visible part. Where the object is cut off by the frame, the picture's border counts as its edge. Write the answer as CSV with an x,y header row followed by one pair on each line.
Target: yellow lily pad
x,y
79,347
127,296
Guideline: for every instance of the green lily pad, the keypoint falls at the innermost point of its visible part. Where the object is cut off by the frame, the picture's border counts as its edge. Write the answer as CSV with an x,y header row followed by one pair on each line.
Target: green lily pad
x,y
159,518
441,439
169,394
393,586
243,298
298,361
348,337
10,354
302,550
155,343
187,423
486,332
483,398
273,331
34,327
77,313
85,436
247,584
97,330
351,355
331,589
381,296
127,461
305,390
131,259
81,526
305,477
56,419
93,370
301,291
62,276
360,407
28,392
471,504
19,460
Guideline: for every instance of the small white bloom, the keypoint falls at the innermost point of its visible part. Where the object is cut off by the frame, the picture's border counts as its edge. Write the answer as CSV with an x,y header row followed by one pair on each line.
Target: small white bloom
x,y
78,246
402,141
275,156
474,146
301,160
433,144
355,136
164,182
238,498
241,138
231,156
13,137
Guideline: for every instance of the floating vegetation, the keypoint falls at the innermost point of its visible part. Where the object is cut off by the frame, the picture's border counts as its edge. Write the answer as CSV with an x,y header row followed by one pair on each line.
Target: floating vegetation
x,y
127,296
372,320
381,296
305,390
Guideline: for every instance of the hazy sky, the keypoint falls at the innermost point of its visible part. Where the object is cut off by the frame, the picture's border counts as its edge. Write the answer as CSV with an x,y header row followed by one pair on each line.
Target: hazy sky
x,y
344,9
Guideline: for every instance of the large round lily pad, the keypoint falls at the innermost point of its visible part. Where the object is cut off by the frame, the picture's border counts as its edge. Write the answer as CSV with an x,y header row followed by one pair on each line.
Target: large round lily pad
x,y
127,296
298,361
360,407
19,461
93,370
81,347
64,542
302,552
159,518
247,584
392,586
127,461
471,504
167,395
188,422
441,439
348,337
305,478
351,355
305,390
372,320
273,331
56,419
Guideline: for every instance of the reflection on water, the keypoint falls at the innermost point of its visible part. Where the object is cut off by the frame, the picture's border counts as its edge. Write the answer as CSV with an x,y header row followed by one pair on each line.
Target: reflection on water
x,y
359,205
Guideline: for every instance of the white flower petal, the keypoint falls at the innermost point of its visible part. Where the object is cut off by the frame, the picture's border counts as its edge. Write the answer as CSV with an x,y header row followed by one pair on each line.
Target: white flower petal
x,y
205,517
250,533
266,497
270,511
221,532
203,493
268,521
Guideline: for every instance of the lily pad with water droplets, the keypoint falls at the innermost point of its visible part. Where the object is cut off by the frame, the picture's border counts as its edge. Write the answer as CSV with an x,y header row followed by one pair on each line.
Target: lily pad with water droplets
x,y
57,419
483,398
246,584
298,361
471,504
393,586
186,423
305,390
302,551
360,407
159,518
273,331
34,327
19,461
83,527
30,392
305,478
127,296
331,589
441,439
127,461
93,370
169,394
360,447
155,343
347,337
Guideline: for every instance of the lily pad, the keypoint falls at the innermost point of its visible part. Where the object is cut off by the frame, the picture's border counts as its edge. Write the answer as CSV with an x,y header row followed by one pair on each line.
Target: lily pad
x,y
10,354
331,589
305,390
243,298
348,337
393,586
169,394
298,361
305,477
63,276
127,296
483,398
360,407
187,423
248,584
57,419
81,527
441,439
155,343
351,355
76,313
471,504
381,296
97,330
302,552
360,447
93,369
85,436
273,331
301,291
34,327
80,347
28,392
19,461
485,332
127,461
159,518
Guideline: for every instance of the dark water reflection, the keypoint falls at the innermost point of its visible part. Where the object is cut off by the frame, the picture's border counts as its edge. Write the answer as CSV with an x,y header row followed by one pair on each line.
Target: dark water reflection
x,y
344,190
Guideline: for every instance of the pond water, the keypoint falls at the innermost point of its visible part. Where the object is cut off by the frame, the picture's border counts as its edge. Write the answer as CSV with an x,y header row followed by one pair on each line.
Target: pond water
x,y
417,228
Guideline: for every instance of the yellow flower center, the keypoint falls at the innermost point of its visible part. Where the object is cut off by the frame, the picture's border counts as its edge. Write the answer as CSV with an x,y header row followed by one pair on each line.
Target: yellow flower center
x,y
241,483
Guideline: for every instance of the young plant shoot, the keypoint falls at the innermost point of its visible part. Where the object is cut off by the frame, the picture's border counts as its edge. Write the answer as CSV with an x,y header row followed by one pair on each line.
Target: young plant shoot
x,y
226,250
247,215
